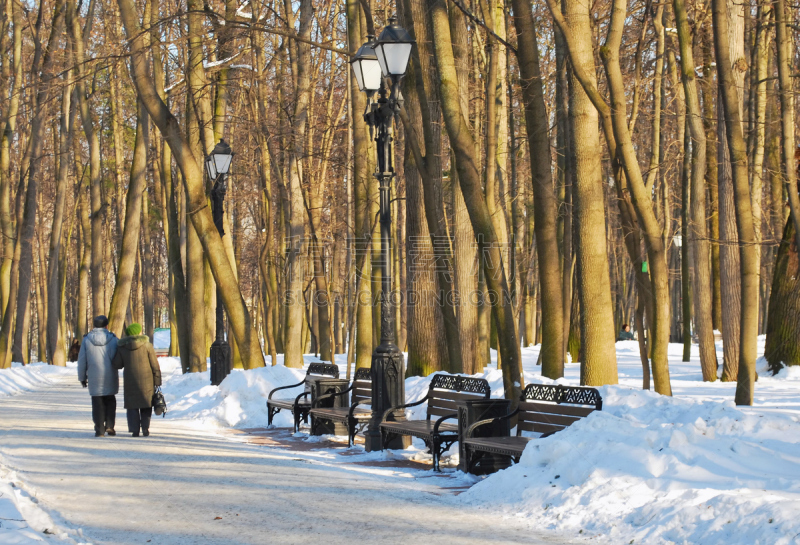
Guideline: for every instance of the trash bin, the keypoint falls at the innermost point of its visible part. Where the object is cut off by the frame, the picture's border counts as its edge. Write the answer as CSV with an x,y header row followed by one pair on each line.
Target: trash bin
x,y
319,386
473,411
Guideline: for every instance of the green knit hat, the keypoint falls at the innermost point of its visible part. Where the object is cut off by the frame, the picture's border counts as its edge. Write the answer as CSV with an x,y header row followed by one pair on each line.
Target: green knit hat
x,y
133,330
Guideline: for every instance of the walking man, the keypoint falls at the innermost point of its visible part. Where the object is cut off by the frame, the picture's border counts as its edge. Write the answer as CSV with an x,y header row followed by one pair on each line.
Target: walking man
x,y
96,371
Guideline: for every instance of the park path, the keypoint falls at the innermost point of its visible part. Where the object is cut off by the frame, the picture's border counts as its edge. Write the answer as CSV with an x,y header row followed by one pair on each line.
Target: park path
x,y
183,485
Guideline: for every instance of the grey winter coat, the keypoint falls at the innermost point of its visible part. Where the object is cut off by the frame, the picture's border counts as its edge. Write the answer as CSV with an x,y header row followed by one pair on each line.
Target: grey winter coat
x,y
141,371
98,349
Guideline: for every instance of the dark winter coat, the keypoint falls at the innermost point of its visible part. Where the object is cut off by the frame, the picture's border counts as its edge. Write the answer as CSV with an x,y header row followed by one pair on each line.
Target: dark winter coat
x,y
94,362
141,371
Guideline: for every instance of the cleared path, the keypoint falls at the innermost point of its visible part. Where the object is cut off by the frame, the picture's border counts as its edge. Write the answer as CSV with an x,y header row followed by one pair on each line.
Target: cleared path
x,y
171,488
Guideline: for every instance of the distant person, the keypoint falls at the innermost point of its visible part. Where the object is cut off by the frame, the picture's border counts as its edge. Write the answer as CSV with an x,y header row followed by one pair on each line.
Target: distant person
x,y
626,334
95,370
74,350
141,376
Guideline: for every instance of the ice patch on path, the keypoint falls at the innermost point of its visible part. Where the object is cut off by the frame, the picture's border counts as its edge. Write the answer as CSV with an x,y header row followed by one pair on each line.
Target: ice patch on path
x,y
22,521
239,402
656,469
29,377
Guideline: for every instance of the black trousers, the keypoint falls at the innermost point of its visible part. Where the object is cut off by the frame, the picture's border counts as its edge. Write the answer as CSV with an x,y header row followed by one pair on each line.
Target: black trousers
x,y
139,418
104,412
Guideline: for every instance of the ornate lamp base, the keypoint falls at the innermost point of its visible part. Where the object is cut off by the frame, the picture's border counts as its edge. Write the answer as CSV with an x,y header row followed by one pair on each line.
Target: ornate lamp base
x,y
220,361
388,390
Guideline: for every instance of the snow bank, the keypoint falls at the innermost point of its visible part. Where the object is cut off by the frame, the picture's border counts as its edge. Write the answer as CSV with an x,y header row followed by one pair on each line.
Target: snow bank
x,y
654,469
26,378
22,521
239,402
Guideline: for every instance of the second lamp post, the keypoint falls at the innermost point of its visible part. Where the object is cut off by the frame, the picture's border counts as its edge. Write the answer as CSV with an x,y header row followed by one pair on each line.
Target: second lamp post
x,y
387,57
218,163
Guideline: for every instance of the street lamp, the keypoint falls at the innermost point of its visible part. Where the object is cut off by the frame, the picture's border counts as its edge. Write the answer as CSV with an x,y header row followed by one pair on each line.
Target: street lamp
x,y
366,68
390,52
218,163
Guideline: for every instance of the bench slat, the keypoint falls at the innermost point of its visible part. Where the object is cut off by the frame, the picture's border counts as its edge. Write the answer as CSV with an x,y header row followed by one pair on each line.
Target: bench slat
x,y
541,407
455,396
556,419
439,411
539,427
362,392
450,406
501,445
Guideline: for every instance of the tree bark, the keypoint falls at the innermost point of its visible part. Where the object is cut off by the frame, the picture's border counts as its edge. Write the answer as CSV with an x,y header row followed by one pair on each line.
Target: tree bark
x,y
701,254
749,266
544,199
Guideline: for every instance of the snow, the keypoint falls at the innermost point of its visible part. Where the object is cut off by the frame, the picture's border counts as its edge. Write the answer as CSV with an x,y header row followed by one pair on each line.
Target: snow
x,y
27,378
22,520
692,468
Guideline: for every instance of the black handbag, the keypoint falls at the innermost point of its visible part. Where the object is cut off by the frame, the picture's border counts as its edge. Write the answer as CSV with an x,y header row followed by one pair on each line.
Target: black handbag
x,y
159,403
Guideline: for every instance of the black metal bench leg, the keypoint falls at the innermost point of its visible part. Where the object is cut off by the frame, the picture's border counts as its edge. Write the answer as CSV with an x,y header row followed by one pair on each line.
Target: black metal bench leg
x,y
351,432
271,412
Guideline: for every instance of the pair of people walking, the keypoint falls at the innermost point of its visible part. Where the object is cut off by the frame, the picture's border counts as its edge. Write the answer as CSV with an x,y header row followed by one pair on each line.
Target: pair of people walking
x,y
101,355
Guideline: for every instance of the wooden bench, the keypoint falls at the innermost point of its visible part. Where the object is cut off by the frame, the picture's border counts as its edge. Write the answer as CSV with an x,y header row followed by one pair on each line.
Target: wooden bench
x,y
355,417
301,404
543,409
443,394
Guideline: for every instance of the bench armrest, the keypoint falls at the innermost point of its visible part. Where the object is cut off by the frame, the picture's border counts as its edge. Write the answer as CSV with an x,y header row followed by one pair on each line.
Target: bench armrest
x,y
356,404
332,394
442,419
285,388
297,399
480,423
387,411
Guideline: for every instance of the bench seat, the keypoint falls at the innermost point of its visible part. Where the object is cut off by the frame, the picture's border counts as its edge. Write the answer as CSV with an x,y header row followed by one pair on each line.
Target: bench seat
x,y
300,405
418,428
510,446
355,417
444,394
543,408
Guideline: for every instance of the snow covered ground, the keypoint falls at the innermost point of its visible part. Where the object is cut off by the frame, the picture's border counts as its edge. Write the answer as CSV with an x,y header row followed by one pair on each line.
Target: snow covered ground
x,y
693,468
22,521
24,379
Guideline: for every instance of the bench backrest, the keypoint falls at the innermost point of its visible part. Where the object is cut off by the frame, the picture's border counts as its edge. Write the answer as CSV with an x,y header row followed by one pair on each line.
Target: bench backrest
x,y
323,369
446,390
548,408
362,386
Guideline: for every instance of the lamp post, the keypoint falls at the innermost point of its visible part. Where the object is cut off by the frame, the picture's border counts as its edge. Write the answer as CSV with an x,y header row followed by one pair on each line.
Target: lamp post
x,y
218,164
384,58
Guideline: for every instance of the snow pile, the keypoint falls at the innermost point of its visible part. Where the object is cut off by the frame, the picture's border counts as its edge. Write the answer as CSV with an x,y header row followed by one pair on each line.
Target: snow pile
x,y
22,521
654,469
26,378
239,402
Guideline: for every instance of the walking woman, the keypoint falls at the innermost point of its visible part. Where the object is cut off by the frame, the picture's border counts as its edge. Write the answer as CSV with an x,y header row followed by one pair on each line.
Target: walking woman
x,y
141,375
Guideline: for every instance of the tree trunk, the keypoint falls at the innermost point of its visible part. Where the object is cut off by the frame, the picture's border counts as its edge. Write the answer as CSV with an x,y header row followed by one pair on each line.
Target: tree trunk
x,y
749,266
783,321
133,221
544,199
698,239
56,353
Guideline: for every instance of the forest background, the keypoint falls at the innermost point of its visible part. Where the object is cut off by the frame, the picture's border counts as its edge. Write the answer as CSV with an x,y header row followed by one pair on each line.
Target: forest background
x,y
563,168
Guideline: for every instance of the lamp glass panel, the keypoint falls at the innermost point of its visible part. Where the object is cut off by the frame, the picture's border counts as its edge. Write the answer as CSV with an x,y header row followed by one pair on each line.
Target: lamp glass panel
x,y
211,168
357,73
396,55
371,72
222,162
382,60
